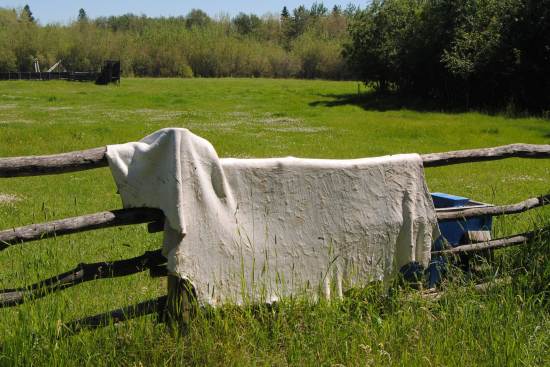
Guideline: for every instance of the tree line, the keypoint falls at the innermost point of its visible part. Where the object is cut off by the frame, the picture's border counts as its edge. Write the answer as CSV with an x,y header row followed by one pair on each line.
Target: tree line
x,y
467,53
302,42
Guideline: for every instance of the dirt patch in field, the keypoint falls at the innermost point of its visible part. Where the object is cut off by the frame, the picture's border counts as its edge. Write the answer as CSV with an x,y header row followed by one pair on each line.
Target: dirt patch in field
x,y
58,108
8,198
16,121
298,129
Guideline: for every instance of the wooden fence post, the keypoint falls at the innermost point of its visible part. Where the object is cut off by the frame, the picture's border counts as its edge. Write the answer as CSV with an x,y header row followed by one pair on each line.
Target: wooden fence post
x,y
180,304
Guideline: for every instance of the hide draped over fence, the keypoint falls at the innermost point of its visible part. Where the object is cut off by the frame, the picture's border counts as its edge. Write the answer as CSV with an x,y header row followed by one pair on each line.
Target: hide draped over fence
x,y
177,304
262,229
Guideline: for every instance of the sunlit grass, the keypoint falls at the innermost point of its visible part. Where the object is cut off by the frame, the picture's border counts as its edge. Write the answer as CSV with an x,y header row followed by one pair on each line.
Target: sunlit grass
x,y
258,118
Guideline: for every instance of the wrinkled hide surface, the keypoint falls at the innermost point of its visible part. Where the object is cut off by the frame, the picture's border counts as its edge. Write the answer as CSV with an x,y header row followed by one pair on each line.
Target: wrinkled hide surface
x,y
260,229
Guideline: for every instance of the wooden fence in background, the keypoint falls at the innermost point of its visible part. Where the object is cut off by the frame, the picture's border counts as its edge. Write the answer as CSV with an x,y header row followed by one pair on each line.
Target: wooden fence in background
x,y
177,305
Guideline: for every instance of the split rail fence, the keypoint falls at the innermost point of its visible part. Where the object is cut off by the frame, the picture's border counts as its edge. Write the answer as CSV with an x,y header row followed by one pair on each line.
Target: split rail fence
x,y
176,306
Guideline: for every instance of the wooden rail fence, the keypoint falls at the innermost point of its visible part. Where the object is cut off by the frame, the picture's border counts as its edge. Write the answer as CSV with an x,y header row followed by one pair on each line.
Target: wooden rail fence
x,y
176,306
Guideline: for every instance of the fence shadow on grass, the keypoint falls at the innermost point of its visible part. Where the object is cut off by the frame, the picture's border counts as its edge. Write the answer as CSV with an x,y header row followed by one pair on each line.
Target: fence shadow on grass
x,y
536,280
154,306
151,260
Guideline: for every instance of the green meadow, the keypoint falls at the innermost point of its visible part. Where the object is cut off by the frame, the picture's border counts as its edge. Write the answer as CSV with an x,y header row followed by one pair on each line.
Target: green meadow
x,y
506,325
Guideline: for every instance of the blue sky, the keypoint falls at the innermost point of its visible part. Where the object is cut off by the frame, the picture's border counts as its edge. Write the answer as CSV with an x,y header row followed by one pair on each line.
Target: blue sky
x,y
48,11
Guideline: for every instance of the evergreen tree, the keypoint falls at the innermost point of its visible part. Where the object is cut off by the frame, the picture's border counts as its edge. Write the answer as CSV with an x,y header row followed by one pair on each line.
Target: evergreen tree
x,y
318,10
82,16
26,14
285,14
300,19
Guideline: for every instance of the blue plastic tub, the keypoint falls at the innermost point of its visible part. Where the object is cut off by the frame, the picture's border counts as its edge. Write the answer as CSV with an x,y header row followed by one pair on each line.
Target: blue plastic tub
x,y
454,232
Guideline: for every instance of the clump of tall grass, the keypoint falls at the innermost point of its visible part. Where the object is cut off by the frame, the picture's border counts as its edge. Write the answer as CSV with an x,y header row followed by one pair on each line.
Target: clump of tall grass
x,y
502,325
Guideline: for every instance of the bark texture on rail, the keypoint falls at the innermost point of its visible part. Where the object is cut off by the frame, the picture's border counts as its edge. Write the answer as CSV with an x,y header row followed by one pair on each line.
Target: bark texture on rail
x,y
95,158
486,154
82,223
52,164
519,239
84,273
495,210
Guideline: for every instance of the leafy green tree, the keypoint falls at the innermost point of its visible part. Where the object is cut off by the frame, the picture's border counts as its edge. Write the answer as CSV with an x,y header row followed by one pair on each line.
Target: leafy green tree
x,y
247,24
197,18
8,22
183,46
319,58
469,53
529,44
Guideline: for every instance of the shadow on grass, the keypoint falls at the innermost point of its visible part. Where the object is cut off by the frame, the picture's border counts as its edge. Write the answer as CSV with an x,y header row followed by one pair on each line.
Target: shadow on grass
x,y
531,264
388,101
527,266
376,101
150,260
154,306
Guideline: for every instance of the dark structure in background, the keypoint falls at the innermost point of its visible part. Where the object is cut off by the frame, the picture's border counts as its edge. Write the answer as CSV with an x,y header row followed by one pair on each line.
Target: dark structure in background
x,y
110,73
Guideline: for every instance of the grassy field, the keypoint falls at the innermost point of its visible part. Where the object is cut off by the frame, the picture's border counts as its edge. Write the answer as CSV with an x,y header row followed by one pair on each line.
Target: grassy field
x,y
259,118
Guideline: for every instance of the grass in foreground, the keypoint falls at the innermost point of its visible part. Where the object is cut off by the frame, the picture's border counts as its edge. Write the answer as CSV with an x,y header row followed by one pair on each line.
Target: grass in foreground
x,y
258,118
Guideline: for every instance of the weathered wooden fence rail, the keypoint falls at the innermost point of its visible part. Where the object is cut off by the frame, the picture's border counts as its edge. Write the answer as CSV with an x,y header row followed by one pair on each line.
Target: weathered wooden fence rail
x,y
115,218
519,239
495,210
53,164
95,158
177,304
486,154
